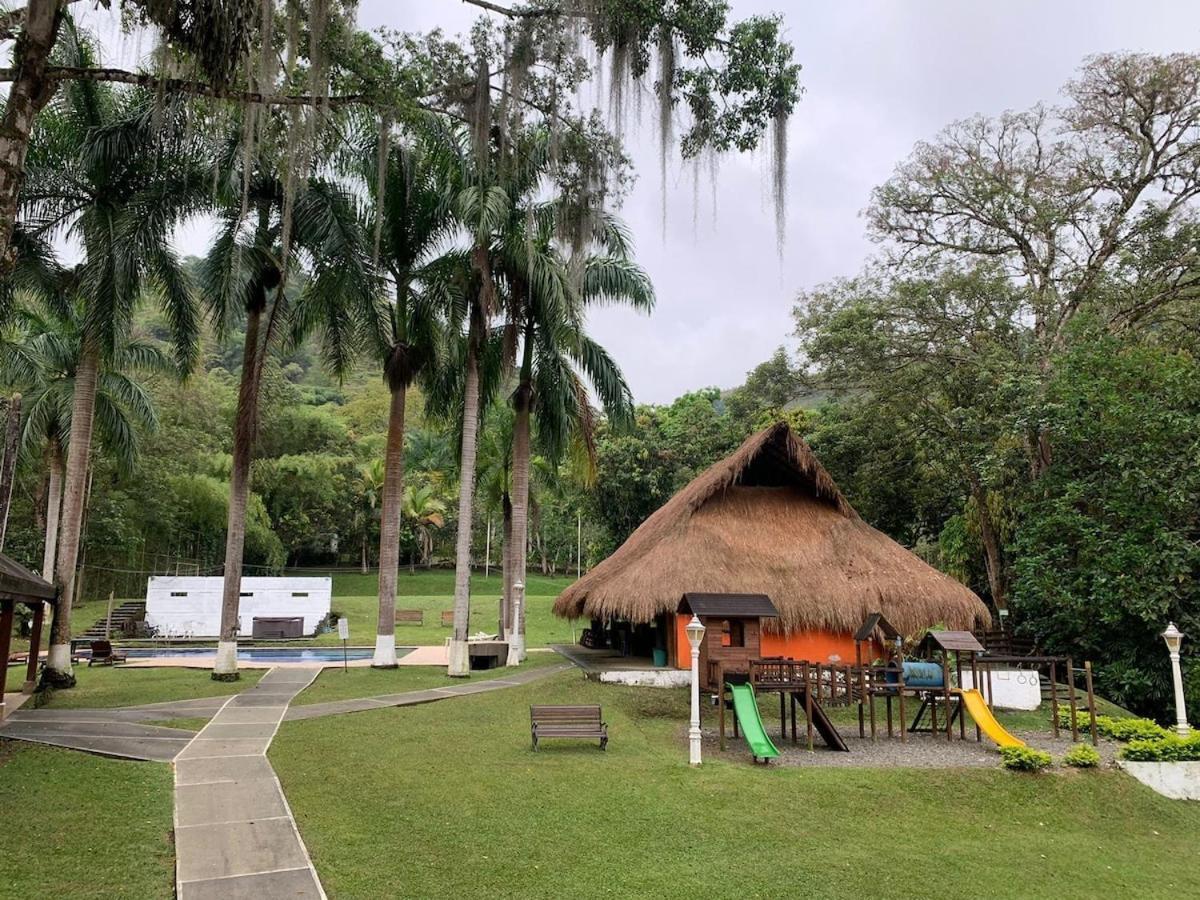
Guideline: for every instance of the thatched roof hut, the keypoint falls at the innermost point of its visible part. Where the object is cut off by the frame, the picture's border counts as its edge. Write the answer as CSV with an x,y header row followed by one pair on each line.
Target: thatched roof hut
x,y
769,519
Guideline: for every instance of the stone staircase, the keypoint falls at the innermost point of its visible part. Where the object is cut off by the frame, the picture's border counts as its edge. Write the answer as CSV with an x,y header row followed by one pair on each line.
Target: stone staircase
x,y
123,616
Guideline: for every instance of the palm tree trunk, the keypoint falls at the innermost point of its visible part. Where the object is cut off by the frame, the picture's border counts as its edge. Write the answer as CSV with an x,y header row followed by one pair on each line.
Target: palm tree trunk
x,y
8,470
389,533
520,516
54,462
83,410
459,661
30,91
506,572
244,428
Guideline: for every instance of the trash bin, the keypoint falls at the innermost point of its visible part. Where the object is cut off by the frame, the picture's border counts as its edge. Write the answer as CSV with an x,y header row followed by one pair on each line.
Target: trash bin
x,y
660,656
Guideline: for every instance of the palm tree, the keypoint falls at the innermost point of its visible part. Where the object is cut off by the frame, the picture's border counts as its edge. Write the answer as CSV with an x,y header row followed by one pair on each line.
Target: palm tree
x,y
269,225
113,171
51,344
412,218
426,510
369,485
548,299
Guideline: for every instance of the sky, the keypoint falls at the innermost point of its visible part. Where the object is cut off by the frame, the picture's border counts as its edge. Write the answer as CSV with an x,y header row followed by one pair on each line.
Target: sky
x,y
879,76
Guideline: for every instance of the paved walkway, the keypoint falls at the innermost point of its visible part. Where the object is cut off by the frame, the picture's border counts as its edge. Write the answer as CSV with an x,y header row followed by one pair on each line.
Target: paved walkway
x,y
412,698
234,832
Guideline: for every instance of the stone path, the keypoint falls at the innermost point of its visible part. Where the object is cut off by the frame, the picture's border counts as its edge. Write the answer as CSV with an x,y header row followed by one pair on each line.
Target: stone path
x,y
412,698
234,832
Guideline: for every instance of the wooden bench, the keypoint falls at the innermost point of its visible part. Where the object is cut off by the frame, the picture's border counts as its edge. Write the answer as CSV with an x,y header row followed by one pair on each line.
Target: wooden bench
x,y
447,618
410,617
567,722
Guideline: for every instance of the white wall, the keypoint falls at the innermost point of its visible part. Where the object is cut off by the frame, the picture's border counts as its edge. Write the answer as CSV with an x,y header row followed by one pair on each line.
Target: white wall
x,y
1010,688
186,605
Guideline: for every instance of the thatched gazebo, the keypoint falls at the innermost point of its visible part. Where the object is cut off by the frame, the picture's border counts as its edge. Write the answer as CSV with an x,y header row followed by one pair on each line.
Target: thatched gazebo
x,y
770,520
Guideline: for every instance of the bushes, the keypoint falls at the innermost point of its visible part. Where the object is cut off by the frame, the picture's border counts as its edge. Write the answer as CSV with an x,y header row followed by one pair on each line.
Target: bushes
x,y
1024,759
1082,756
1124,729
1168,748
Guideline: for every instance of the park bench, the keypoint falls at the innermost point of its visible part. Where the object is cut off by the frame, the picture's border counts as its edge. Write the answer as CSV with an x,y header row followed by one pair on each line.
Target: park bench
x,y
567,722
447,618
410,617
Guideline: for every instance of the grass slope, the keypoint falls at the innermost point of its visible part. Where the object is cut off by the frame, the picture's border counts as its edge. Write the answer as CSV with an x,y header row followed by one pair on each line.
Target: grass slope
x,y
77,825
108,686
476,812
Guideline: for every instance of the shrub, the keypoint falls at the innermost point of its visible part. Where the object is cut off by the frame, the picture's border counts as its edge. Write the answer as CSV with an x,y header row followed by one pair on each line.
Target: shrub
x,y
1126,729
1169,748
1024,759
1082,756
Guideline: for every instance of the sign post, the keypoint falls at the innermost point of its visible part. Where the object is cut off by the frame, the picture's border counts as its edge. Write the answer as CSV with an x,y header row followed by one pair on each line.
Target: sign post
x,y
344,634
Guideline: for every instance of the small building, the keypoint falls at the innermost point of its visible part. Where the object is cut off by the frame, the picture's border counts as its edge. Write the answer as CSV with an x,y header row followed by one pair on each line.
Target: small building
x,y
182,606
732,631
768,520
19,585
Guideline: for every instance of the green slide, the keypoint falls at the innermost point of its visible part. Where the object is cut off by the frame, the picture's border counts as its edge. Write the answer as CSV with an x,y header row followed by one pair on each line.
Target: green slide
x,y
746,710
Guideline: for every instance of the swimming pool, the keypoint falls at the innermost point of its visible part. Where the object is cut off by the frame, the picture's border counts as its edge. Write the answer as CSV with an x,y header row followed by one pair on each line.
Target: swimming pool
x,y
259,654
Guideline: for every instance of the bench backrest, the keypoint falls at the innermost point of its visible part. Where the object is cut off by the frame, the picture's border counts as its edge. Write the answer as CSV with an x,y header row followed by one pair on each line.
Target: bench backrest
x,y
565,715
410,615
101,648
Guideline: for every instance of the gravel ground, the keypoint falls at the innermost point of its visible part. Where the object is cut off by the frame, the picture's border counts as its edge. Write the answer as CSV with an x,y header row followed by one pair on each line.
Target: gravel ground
x,y
920,751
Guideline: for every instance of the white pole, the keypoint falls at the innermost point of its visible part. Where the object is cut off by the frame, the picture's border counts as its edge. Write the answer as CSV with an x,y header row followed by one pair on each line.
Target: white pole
x,y
516,640
694,729
487,559
578,545
1181,724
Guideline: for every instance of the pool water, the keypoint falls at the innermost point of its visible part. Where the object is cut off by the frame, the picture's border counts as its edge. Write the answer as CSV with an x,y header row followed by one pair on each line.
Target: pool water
x,y
259,654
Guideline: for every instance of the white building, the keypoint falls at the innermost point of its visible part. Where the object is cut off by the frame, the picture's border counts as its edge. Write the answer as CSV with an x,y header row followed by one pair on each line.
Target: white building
x,y
190,606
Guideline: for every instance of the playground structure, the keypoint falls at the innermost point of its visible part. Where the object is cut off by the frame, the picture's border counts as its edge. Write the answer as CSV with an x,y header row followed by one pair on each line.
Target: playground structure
x,y
938,682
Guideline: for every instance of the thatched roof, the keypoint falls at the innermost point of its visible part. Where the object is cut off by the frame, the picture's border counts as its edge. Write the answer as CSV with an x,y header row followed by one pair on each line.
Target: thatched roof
x,y
769,519
18,583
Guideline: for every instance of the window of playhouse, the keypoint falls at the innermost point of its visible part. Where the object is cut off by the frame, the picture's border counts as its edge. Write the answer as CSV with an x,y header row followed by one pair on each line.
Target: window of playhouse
x,y
733,633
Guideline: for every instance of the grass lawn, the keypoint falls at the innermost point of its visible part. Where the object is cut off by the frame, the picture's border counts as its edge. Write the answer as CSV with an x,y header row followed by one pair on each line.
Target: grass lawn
x,y
109,686
76,825
356,597
469,809
346,684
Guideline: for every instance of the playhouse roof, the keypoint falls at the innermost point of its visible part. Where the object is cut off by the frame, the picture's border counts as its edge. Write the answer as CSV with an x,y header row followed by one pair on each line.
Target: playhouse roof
x,y
18,583
770,520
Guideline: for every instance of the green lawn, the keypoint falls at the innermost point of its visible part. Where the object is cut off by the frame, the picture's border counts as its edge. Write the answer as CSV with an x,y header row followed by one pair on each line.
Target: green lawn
x,y
76,825
109,686
345,684
356,597
474,811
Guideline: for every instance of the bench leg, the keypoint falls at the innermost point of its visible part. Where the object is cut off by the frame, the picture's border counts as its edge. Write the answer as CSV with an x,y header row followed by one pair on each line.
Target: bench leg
x,y
604,743
535,743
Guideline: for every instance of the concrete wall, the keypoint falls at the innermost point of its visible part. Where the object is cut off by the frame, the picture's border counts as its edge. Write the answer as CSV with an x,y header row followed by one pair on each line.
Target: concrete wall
x,y
186,605
1177,780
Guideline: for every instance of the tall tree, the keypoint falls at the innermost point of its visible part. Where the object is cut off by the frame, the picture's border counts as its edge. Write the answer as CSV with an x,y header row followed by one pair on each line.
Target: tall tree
x,y
113,171
270,228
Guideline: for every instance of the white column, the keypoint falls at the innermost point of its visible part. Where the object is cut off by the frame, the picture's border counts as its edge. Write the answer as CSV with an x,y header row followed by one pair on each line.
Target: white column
x,y
516,640
694,729
1181,725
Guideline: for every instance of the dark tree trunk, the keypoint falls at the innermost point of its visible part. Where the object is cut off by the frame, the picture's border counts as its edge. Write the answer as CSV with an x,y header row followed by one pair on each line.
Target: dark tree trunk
x,y
8,469
30,91
391,510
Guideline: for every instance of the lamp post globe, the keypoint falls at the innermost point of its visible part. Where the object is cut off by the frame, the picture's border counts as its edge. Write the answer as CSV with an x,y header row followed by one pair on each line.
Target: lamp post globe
x,y
695,634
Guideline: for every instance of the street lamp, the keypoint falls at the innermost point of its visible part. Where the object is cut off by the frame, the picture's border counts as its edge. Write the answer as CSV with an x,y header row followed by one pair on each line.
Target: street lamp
x,y
695,634
1174,639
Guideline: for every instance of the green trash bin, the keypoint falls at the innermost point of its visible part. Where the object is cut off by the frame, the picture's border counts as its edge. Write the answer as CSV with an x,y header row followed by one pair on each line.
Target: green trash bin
x,y
660,656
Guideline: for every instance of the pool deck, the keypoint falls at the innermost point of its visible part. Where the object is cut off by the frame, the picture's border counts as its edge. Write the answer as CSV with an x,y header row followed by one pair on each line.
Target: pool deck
x,y
415,656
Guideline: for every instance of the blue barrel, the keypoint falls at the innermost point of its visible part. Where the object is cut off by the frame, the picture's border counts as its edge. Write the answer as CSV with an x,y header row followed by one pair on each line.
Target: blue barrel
x,y
922,674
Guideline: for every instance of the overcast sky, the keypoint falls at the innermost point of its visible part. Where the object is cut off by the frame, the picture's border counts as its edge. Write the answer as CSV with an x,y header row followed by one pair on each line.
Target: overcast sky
x,y
878,76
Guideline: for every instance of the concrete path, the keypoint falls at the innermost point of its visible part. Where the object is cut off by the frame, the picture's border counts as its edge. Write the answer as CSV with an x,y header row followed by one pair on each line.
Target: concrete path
x,y
234,832
106,736
412,698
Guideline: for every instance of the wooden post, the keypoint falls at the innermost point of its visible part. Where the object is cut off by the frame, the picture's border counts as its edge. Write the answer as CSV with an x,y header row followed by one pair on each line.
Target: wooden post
x,y
889,714
35,640
721,713
1091,697
900,694
6,624
962,725
872,705
975,684
1071,697
862,687
1054,697
808,701
946,695
792,705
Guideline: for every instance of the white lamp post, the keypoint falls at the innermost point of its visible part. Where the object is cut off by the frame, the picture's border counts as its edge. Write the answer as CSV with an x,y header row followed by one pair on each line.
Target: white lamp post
x,y
1174,639
695,634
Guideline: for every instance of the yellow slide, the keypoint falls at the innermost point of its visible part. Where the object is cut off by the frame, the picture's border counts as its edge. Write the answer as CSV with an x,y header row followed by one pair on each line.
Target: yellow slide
x,y
978,708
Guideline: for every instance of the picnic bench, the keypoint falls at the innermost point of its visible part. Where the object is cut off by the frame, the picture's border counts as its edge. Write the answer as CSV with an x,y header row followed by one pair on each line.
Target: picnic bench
x,y
447,618
103,655
567,722
410,617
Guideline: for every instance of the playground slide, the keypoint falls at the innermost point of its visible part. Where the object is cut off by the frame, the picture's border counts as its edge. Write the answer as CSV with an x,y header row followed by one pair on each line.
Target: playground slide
x,y
746,710
978,708
824,726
